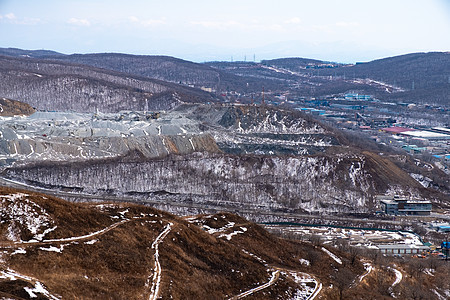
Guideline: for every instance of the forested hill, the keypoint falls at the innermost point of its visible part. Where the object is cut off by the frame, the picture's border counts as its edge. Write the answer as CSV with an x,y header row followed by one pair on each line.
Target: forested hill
x,y
56,85
173,70
159,67
27,53
423,77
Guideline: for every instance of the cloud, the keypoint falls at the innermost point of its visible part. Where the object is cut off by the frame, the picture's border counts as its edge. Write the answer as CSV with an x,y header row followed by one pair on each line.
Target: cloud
x,y
276,27
217,24
10,16
347,24
79,22
147,22
134,19
293,21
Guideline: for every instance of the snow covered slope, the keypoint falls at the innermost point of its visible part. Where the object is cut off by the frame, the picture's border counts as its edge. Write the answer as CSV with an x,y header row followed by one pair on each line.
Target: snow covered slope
x,y
320,183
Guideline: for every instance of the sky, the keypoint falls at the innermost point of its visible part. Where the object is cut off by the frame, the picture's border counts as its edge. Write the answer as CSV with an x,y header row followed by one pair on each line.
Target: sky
x,y
206,30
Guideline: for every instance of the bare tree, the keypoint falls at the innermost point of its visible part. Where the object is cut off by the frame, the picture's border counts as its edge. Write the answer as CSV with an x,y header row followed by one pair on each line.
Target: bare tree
x,y
343,278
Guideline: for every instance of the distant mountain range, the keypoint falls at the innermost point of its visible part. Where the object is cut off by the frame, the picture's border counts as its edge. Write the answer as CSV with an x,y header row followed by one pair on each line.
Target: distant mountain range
x,y
27,53
423,77
102,81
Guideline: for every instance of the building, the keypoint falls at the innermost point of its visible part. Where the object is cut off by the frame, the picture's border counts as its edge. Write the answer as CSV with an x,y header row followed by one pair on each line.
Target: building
x,y
404,207
425,134
402,249
354,96
413,149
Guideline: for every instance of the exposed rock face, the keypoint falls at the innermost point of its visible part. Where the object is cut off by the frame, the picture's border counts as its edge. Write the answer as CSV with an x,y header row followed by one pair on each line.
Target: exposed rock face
x,y
181,153
189,128
70,148
264,130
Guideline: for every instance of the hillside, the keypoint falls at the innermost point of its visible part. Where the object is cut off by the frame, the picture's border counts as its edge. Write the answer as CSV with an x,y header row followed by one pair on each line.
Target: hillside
x,y
10,108
311,184
165,68
51,85
415,77
298,64
253,158
186,129
176,70
52,249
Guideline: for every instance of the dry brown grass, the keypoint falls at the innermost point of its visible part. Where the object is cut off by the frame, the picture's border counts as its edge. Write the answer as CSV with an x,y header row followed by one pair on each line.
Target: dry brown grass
x,y
195,264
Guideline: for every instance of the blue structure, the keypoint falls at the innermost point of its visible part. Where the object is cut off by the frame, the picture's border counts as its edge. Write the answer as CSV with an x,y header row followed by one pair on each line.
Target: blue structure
x,y
443,228
445,246
312,111
349,107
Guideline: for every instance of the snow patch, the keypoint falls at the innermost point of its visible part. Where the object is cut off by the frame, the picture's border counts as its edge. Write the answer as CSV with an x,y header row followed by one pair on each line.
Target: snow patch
x,y
337,259
308,286
304,262
38,287
230,235
53,249
19,251
17,209
254,256
221,229
424,181
398,276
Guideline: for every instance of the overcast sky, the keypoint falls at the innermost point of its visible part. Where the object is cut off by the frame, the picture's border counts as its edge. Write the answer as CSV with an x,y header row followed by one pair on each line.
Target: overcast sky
x,y
203,30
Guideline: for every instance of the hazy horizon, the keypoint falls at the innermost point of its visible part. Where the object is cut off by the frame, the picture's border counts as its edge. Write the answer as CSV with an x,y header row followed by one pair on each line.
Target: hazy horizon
x,y
342,31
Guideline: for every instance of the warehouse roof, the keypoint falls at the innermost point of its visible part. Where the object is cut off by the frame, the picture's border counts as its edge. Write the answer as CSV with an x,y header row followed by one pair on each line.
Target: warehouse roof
x,y
397,129
426,134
